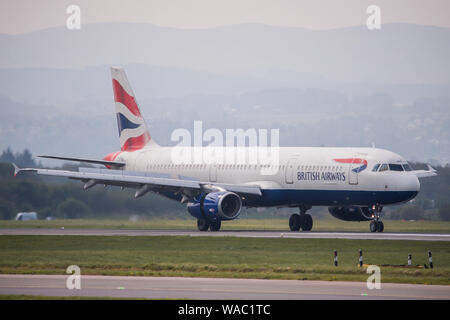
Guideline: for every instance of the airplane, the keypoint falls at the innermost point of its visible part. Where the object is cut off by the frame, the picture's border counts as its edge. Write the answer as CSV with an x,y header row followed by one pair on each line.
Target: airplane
x,y
354,183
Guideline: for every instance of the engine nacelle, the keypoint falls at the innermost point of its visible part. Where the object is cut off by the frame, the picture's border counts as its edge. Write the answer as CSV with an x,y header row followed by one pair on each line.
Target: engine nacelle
x,y
352,213
216,205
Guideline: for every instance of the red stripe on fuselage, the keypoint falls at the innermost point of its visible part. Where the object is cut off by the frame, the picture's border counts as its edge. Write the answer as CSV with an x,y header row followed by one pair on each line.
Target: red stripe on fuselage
x,y
351,160
111,157
121,95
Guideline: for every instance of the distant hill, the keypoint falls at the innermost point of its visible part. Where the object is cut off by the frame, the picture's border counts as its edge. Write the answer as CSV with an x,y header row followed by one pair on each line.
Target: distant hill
x,y
72,87
398,53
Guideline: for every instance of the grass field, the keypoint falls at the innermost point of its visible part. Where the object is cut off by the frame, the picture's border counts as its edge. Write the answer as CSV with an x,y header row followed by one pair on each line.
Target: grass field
x,y
310,259
241,224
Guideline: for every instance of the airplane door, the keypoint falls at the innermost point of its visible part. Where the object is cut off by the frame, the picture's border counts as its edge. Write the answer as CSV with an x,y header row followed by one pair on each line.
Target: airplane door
x,y
289,171
353,173
213,173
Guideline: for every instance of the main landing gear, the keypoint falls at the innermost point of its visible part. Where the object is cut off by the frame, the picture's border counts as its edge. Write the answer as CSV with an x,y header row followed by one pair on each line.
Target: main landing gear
x,y
204,225
377,225
302,221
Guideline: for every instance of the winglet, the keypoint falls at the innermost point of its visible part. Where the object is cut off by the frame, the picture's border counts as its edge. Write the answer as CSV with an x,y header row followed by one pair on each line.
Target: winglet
x,y
431,172
16,169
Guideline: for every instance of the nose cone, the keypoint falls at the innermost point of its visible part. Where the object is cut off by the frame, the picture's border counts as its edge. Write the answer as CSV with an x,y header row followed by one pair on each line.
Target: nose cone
x,y
410,186
416,184
411,183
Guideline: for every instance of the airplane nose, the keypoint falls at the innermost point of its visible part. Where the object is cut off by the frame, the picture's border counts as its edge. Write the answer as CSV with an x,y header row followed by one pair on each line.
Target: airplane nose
x,y
411,185
407,182
415,183
407,187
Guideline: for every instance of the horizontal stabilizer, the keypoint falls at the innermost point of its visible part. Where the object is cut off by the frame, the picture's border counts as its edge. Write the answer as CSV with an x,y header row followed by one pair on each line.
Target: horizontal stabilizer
x,y
95,161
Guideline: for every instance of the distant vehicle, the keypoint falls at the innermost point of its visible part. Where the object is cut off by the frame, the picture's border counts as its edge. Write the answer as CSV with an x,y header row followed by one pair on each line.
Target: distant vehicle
x,y
24,216
355,183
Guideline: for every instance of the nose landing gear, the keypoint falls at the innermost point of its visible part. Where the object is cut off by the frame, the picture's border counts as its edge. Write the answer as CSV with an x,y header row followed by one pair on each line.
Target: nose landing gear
x,y
377,225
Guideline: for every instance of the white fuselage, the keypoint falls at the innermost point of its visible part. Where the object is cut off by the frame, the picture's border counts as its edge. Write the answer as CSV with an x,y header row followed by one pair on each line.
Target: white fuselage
x,y
316,176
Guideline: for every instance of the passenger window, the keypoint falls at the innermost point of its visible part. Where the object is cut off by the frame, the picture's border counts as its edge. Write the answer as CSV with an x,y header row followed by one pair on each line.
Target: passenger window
x,y
384,167
375,168
395,167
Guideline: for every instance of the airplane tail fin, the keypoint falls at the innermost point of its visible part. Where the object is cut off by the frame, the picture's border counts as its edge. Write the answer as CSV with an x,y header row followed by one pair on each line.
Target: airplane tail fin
x,y
133,132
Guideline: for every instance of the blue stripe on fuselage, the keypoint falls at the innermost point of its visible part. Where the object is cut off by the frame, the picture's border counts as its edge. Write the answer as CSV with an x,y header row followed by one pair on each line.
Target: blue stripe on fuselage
x,y
359,169
289,197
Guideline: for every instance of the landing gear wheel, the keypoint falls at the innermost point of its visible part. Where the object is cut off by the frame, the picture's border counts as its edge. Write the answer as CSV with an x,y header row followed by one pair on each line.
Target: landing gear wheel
x,y
380,226
215,225
203,224
307,222
301,221
374,226
294,222
377,225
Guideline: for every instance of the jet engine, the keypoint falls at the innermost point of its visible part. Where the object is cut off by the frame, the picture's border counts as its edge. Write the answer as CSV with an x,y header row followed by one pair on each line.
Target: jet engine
x,y
222,205
352,213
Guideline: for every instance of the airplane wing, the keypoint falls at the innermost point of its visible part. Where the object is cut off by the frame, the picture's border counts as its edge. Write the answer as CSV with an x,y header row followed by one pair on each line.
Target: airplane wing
x,y
144,182
425,173
95,161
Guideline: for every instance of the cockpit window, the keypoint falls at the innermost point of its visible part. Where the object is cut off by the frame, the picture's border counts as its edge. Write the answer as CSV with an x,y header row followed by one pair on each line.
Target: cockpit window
x,y
375,168
395,167
407,167
384,167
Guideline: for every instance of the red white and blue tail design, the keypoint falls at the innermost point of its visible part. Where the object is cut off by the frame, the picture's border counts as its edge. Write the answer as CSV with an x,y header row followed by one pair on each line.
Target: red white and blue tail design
x,y
133,132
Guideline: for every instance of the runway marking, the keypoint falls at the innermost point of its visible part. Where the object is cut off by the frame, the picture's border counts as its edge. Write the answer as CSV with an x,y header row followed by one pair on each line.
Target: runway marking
x,y
317,293
232,233
301,288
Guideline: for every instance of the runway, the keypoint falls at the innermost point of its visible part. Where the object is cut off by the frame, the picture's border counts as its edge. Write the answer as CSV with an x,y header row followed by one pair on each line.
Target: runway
x,y
225,233
213,288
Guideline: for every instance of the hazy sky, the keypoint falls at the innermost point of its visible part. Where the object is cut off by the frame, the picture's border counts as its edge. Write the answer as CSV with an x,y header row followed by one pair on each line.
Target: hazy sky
x,y
21,16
